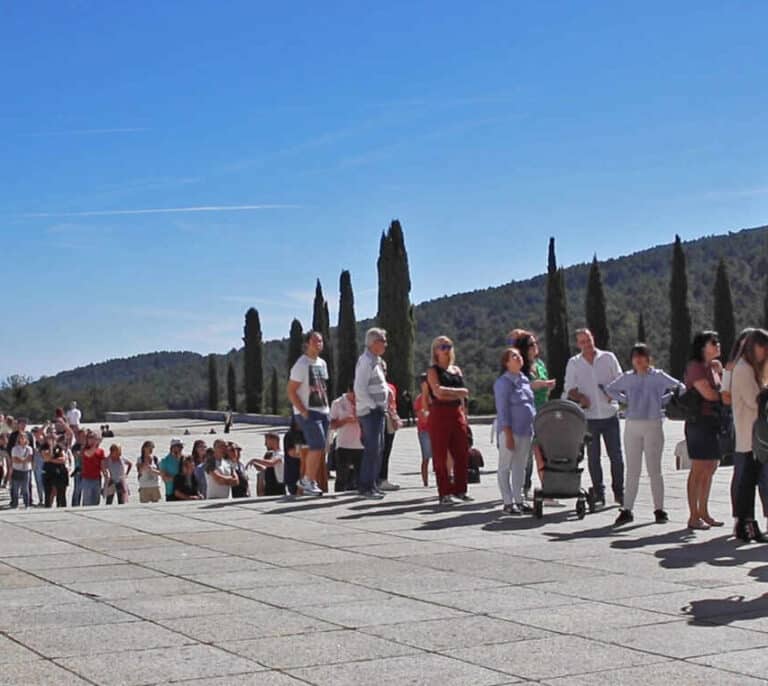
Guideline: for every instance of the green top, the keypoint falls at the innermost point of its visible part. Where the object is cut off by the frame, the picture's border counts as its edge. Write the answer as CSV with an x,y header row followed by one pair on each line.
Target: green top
x,y
539,373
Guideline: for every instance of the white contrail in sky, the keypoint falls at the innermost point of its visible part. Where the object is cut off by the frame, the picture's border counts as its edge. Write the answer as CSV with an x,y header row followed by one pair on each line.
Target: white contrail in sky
x,y
83,132
163,210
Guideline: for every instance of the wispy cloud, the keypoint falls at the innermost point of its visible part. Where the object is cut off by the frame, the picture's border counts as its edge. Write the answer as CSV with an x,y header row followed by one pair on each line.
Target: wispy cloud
x,y
163,210
739,193
83,132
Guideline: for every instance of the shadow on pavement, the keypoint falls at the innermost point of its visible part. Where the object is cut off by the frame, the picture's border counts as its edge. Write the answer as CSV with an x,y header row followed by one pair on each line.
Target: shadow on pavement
x,y
725,610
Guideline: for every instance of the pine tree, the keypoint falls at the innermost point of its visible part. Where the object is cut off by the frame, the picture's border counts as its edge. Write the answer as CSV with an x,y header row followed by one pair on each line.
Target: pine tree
x,y
213,383
641,335
321,323
558,347
253,361
274,392
680,316
295,343
597,320
231,387
725,325
346,335
395,312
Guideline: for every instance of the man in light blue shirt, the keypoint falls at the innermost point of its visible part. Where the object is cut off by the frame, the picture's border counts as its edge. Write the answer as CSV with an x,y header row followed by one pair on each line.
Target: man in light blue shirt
x,y
586,377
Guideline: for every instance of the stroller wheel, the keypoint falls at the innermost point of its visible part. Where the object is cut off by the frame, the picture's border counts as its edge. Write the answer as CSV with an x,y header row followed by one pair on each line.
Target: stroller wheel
x,y
591,501
538,505
581,508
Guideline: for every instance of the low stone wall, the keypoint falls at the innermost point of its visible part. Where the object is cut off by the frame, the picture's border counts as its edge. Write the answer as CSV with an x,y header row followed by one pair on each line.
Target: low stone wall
x,y
205,415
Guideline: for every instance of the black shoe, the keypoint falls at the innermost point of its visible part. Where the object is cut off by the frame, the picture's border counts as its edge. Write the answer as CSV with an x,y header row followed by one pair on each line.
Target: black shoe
x,y
527,509
755,534
742,531
661,516
513,509
625,517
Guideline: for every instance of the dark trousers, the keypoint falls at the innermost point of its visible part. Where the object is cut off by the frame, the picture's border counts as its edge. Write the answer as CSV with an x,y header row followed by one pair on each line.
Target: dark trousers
x,y
292,468
119,492
751,474
608,430
389,439
448,432
59,484
347,469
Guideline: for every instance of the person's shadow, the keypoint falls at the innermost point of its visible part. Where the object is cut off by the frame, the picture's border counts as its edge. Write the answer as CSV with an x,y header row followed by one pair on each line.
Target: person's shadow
x,y
709,611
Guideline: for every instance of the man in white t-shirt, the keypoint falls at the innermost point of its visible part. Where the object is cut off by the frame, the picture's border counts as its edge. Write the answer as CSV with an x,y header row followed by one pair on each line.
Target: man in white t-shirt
x,y
349,448
307,391
219,475
74,416
586,377
21,459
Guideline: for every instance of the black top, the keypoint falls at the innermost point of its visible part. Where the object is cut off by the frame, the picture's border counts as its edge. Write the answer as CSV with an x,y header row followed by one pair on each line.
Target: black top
x,y
186,485
241,489
449,380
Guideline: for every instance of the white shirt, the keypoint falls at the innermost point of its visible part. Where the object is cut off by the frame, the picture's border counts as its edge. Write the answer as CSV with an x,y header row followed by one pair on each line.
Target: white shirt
x,y
279,466
312,377
214,488
74,416
348,436
371,390
588,378
21,452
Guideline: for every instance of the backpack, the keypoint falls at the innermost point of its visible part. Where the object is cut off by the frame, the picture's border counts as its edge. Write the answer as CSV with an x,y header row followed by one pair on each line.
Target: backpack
x,y
760,429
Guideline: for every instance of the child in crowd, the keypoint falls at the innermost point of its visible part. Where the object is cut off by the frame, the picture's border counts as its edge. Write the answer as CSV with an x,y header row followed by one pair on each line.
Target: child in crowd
x,y
21,460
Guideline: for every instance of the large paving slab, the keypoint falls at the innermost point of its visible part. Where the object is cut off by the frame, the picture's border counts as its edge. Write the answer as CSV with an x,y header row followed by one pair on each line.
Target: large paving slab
x,y
338,590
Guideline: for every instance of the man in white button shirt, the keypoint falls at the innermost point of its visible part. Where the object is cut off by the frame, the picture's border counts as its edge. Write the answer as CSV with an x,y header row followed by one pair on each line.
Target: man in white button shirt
x,y
586,377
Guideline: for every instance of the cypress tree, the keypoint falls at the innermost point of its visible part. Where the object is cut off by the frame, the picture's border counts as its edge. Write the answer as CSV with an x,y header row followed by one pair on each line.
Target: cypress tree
x,y
274,392
597,320
765,305
558,347
346,335
395,313
641,336
213,383
295,343
322,324
231,387
680,316
725,325
253,361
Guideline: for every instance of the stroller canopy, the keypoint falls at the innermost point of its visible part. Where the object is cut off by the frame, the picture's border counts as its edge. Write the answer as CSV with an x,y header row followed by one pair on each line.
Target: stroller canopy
x,y
560,428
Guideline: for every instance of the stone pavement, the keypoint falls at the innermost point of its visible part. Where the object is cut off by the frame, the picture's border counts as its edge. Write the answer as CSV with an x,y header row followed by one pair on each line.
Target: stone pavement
x,y
337,590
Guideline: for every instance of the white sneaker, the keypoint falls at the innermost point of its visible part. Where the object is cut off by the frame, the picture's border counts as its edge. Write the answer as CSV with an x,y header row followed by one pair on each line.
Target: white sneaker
x,y
310,487
386,486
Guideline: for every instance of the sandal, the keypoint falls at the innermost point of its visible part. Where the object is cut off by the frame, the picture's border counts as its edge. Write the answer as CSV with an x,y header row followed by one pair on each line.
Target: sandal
x,y
698,525
712,522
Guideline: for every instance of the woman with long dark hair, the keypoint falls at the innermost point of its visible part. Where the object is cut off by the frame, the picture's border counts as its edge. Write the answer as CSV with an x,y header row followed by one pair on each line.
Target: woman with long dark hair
x,y
749,377
703,375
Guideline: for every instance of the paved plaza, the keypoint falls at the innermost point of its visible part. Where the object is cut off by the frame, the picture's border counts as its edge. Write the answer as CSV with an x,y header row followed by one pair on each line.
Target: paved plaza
x,y
339,591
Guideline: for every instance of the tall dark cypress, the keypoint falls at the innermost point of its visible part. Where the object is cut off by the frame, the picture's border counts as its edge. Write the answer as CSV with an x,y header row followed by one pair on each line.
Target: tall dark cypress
x,y
597,320
253,361
765,305
321,323
346,335
725,324
231,387
641,335
680,316
295,343
395,312
274,391
213,383
558,345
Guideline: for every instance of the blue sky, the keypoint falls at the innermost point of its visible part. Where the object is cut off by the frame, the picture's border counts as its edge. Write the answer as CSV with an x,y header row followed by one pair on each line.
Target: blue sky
x,y
485,129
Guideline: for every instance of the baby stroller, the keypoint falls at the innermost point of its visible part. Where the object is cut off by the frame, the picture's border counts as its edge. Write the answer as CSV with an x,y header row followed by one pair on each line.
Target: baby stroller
x,y
561,433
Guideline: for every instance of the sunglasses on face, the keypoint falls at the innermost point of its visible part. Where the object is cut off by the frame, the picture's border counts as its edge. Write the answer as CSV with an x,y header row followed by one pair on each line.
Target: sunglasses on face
x,y
445,347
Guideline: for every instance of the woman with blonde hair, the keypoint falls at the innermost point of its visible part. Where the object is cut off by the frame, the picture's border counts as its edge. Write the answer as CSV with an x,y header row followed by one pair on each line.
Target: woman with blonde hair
x,y
447,421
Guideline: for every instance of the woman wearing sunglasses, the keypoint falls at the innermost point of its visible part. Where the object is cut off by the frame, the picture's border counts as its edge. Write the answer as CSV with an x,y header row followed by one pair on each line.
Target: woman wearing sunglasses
x,y
447,422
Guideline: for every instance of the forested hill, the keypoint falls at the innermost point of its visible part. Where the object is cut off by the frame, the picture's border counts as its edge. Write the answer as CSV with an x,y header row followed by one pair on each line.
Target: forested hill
x,y
477,321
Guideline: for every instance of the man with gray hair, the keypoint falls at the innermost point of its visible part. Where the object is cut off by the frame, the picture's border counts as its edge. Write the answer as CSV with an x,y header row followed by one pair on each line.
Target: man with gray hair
x,y
371,392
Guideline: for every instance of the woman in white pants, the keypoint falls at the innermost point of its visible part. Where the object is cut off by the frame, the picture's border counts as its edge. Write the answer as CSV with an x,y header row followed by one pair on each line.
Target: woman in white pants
x,y
515,411
644,390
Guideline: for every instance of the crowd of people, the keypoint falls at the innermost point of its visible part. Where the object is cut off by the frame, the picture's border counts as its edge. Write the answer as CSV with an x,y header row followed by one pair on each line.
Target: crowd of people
x,y
353,435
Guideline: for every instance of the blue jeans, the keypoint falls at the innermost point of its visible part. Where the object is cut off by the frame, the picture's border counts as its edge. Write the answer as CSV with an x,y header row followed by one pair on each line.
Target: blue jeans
x,y
372,437
37,470
77,490
21,483
91,492
608,429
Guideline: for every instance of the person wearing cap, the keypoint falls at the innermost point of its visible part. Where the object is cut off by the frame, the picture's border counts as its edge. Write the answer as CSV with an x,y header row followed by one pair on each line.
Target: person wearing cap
x,y
170,466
